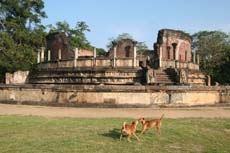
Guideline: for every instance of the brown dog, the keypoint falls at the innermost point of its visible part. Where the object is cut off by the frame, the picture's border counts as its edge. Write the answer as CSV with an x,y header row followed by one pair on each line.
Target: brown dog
x,y
146,125
129,130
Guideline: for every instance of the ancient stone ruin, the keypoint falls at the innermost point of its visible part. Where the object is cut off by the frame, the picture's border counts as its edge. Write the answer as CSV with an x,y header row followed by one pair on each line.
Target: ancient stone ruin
x,y
168,75
171,62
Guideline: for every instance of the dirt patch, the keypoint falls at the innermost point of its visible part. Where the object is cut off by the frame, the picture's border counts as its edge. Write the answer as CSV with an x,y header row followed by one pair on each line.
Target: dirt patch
x,y
204,112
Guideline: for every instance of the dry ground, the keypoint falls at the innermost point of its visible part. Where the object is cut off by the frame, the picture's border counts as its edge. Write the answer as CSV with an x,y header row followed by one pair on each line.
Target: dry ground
x,y
205,112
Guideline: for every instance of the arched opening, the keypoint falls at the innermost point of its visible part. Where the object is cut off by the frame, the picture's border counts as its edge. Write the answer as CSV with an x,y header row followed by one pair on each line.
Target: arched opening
x,y
168,51
186,55
174,50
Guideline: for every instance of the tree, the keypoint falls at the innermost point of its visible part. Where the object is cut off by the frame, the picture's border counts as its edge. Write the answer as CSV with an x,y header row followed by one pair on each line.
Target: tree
x,y
101,52
20,34
213,49
142,48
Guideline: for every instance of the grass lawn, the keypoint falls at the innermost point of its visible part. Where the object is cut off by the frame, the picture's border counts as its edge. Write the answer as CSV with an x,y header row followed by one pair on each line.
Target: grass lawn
x,y
39,134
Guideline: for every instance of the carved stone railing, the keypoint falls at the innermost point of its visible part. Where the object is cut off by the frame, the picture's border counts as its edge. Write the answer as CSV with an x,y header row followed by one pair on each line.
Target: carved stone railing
x,y
179,65
90,62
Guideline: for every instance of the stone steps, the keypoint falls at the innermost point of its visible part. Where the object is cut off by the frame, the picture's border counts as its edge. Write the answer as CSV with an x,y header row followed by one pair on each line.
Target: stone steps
x,y
165,77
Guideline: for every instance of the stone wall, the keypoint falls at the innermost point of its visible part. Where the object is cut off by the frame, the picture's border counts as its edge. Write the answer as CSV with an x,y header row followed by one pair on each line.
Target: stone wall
x,y
124,48
19,77
91,95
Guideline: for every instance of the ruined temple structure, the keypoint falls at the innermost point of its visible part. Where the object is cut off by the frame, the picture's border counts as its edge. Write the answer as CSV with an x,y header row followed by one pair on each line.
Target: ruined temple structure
x,y
76,66
171,62
174,62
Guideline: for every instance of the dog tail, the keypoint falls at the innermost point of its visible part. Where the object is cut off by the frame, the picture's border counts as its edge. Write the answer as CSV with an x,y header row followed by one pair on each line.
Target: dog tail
x,y
162,116
123,127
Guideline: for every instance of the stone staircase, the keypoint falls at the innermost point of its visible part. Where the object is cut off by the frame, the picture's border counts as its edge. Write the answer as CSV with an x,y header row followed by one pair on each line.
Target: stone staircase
x,y
166,76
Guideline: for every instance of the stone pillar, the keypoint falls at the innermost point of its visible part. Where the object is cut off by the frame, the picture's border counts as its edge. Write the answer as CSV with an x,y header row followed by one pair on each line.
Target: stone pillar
x,y
42,54
198,59
176,55
39,56
48,55
135,56
94,52
75,57
114,56
160,57
59,54
94,56
208,79
194,57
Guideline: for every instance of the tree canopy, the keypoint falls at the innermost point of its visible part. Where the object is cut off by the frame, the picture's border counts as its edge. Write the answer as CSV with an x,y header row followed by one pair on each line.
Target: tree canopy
x,y
20,34
213,48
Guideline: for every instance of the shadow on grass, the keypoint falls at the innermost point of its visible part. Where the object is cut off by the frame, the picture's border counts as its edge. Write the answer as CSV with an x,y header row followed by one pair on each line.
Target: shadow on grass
x,y
115,134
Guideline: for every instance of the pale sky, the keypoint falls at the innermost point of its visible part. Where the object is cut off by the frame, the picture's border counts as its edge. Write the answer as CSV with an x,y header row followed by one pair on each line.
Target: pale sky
x,y
140,18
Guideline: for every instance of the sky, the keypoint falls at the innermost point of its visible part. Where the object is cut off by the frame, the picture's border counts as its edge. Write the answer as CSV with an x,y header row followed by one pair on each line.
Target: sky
x,y
140,18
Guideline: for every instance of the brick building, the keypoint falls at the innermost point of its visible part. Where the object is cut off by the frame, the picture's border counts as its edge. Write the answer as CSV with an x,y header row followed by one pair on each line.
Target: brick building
x,y
124,48
173,45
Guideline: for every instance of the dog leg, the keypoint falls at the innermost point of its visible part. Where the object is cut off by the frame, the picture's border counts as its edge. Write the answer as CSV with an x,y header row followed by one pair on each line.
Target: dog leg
x,y
158,128
136,136
143,130
121,136
129,138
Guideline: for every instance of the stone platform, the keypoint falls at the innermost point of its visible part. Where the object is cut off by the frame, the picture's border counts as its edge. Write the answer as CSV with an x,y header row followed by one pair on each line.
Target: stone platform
x,y
114,95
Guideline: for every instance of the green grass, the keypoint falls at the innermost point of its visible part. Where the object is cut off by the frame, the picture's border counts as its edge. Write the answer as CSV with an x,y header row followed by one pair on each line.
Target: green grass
x,y
39,134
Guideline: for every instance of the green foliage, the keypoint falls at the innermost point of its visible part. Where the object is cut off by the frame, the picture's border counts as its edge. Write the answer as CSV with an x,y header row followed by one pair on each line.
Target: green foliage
x,y
39,134
76,35
20,34
101,52
213,48
142,48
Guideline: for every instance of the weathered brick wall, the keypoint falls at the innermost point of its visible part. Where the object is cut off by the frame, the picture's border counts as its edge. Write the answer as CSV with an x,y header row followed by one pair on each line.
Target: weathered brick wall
x,y
125,48
166,39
